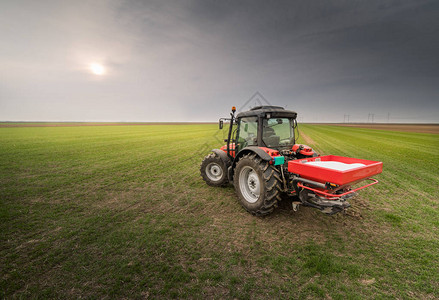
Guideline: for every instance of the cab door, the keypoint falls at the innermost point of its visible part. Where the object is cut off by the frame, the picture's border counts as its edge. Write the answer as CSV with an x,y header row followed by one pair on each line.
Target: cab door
x,y
247,134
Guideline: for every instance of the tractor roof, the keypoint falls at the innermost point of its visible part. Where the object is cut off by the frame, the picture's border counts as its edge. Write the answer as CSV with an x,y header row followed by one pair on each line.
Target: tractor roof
x,y
261,111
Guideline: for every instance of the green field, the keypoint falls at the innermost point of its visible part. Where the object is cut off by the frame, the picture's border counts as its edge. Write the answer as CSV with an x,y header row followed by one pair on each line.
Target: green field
x,y
122,212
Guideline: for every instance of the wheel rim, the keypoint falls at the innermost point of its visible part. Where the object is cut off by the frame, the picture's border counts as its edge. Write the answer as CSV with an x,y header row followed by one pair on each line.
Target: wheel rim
x,y
214,171
249,184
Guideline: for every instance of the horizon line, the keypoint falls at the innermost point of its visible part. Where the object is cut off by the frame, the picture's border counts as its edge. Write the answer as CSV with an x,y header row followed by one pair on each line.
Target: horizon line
x,y
216,122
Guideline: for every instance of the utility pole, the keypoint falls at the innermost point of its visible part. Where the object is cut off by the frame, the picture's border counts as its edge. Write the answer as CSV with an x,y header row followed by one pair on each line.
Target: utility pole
x,y
388,117
373,115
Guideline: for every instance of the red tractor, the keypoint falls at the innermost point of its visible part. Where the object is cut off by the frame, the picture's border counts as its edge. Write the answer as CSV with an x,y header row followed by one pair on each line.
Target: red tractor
x,y
263,161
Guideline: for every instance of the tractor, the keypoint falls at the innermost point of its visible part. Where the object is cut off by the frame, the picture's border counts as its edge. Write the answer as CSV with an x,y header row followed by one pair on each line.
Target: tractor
x,y
263,161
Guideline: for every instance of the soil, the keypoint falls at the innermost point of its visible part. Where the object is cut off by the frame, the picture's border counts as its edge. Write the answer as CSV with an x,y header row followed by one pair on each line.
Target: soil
x,y
307,139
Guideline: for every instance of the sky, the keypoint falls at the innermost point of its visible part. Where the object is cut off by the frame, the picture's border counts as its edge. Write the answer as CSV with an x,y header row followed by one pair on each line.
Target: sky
x,y
159,60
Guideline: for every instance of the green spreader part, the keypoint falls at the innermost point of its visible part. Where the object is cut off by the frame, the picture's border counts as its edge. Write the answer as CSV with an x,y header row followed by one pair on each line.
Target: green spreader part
x,y
279,160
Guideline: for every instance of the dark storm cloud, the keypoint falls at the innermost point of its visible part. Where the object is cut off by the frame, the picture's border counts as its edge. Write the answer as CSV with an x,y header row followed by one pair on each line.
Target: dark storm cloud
x,y
341,55
191,60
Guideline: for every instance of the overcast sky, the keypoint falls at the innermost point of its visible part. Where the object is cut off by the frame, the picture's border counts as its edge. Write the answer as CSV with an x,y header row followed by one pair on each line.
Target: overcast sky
x,y
193,60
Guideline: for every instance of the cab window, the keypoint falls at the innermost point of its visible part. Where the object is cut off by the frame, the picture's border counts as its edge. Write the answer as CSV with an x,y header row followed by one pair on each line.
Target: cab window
x,y
278,132
248,132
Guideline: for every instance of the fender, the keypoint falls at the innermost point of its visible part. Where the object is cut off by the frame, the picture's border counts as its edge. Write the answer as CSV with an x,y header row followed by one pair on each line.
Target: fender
x,y
261,153
223,156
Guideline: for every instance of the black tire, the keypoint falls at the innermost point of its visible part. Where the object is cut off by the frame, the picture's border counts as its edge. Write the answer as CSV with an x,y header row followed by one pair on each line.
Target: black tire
x,y
252,167
214,171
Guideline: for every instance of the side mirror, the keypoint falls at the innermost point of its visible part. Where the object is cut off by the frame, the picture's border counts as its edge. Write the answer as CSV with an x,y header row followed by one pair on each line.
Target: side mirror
x,y
221,124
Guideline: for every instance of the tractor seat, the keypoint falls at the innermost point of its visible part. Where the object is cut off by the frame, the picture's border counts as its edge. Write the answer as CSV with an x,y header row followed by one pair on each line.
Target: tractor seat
x,y
268,131
273,140
270,137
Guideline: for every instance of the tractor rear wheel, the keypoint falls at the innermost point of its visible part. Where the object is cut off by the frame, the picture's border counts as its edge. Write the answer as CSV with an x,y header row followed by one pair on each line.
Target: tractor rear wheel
x,y
213,170
257,184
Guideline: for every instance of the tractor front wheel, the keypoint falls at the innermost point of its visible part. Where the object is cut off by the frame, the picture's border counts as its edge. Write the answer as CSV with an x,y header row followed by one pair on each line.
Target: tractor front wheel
x,y
214,171
257,184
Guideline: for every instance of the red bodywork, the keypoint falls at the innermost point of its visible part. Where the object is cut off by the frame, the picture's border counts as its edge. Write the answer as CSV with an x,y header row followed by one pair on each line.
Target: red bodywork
x,y
272,152
231,148
338,177
307,150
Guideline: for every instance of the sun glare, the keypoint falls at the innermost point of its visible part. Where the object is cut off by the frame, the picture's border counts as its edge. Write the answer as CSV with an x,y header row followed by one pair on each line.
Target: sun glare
x,y
97,69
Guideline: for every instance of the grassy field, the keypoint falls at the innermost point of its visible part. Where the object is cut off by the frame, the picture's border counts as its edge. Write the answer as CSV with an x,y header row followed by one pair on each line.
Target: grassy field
x,y
122,212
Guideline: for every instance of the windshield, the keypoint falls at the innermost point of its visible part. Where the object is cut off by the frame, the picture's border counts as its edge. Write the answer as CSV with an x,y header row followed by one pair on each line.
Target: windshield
x,y
278,132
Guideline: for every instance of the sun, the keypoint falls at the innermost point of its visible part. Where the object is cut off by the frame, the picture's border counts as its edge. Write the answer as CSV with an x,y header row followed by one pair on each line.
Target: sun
x,y
97,69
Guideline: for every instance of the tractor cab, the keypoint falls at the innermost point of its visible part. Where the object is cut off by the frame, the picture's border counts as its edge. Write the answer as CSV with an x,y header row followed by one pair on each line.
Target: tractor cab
x,y
270,129
266,126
